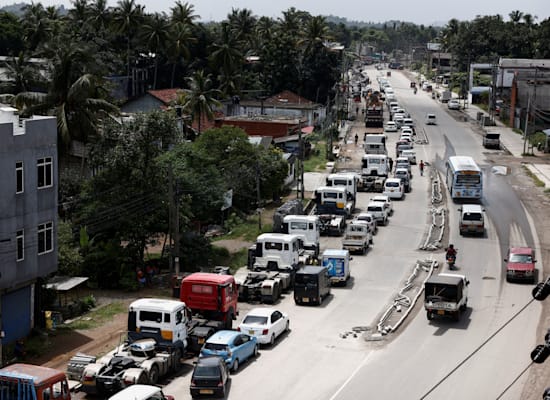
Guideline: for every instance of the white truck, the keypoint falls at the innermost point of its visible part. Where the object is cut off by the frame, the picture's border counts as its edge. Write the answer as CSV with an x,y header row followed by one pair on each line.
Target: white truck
x,y
337,264
146,360
357,237
307,227
272,265
446,295
333,200
375,144
347,180
374,171
378,211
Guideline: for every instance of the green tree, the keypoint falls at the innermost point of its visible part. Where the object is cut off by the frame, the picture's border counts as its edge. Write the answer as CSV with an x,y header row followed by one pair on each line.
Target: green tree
x,y
22,72
128,17
199,100
11,34
155,33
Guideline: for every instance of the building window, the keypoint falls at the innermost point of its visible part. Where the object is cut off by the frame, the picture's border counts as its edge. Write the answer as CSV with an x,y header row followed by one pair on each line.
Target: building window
x,y
45,172
19,182
20,239
45,238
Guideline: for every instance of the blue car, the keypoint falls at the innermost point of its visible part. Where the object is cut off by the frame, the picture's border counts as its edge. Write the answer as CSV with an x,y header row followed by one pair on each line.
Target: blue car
x,y
233,346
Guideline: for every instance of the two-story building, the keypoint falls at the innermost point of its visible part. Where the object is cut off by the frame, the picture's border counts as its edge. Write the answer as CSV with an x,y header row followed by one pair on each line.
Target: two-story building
x,y
28,217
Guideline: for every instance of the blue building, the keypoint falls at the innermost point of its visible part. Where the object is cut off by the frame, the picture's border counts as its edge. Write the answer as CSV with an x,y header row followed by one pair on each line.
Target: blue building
x,y
28,217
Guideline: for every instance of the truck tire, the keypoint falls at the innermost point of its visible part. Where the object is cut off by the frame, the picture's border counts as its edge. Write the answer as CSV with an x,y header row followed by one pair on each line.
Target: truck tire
x,y
430,315
154,375
177,360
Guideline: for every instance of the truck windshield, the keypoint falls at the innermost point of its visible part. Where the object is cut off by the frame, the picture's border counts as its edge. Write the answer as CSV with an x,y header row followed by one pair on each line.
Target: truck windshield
x,y
472,217
309,280
440,292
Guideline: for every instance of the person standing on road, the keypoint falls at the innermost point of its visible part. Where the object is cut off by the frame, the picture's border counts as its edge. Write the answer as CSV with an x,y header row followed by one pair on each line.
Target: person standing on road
x,y
391,164
421,167
356,138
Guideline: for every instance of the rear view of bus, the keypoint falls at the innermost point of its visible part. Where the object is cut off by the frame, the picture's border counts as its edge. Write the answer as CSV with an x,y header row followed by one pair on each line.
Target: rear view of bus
x,y
464,178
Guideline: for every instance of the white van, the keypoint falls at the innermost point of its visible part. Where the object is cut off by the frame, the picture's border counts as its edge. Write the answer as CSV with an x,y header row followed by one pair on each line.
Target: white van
x,y
472,220
394,188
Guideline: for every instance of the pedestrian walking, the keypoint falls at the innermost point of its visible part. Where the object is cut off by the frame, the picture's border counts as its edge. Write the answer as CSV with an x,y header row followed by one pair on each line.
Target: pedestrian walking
x,y
391,164
421,166
356,138
365,137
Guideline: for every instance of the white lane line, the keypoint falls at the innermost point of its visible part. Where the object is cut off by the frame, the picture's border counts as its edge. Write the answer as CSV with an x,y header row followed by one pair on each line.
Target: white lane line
x,y
361,365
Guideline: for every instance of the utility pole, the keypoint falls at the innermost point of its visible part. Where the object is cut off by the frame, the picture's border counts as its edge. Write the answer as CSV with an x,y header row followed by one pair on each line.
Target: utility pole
x,y
174,222
258,194
526,123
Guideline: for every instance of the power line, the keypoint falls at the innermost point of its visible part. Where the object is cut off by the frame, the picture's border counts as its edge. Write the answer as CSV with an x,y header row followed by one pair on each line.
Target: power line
x,y
460,364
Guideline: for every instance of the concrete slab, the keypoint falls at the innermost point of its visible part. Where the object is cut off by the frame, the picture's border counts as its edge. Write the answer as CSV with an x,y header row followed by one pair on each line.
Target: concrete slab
x,y
541,171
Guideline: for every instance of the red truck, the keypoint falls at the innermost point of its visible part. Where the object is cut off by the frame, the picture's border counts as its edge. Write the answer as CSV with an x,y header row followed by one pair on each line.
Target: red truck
x,y
212,299
33,382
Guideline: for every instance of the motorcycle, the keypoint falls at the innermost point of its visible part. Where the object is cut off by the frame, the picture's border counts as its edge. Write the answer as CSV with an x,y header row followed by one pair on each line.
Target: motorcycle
x,y
451,260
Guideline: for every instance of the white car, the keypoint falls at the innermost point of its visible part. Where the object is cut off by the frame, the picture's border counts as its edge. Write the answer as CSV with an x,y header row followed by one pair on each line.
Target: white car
x,y
431,119
390,127
386,201
398,119
407,137
453,104
410,154
266,324
141,392
394,188
370,220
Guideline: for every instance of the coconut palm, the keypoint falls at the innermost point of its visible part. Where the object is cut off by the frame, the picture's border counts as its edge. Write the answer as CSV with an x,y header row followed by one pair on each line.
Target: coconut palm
x,y
178,46
183,13
21,72
155,33
35,24
127,19
199,99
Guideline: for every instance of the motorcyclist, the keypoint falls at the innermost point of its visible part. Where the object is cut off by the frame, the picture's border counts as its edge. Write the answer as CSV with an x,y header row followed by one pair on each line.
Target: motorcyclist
x,y
451,252
414,90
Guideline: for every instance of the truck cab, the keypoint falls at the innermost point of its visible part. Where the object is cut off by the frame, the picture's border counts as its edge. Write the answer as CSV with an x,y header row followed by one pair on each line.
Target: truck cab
x,y
160,319
337,264
349,181
333,200
446,295
214,296
307,227
33,382
278,252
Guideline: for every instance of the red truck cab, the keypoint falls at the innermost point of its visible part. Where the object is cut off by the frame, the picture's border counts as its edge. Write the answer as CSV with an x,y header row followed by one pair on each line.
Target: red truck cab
x,y
33,382
520,264
214,296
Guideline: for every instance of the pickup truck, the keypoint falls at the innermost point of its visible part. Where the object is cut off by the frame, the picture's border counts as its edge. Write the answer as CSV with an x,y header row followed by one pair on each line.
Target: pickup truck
x,y
386,201
357,237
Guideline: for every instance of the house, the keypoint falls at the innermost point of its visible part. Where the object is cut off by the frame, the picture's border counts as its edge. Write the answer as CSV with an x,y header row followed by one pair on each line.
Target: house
x,y
151,100
264,125
28,217
286,103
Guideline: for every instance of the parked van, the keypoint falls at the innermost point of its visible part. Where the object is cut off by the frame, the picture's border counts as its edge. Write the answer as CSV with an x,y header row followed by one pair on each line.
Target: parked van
x,y
491,140
311,285
394,188
472,220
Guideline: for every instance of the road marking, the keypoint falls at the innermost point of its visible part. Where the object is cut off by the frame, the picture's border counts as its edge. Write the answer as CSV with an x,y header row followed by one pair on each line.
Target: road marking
x,y
361,365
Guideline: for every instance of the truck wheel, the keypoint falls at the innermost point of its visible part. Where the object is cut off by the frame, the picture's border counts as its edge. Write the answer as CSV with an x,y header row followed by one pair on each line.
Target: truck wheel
x,y
177,360
430,315
154,375
235,365
229,320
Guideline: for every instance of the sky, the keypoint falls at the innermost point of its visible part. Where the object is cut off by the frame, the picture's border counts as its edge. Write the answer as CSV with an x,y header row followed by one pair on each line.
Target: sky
x,y
427,12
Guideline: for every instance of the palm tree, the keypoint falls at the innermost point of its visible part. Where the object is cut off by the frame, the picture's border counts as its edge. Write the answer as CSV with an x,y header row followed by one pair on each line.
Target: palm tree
x,y
178,45
226,55
127,18
155,34
242,24
77,99
99,15
183,13
35,24
21,71
199,99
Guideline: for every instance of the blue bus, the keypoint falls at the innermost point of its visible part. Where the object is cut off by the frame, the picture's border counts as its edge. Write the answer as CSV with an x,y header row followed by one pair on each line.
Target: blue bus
x,y
464,178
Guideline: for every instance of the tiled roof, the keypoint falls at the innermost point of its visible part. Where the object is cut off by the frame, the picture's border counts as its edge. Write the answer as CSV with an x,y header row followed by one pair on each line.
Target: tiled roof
x,y
167,96
287,97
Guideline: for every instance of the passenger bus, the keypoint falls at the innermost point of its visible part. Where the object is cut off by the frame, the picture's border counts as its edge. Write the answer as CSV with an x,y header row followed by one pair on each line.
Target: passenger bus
x,y
464,178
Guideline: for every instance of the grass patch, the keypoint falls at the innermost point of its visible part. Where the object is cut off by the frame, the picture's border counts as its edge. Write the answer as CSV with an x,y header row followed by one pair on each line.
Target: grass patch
x,y
317,160
244,228
96,317
536,180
